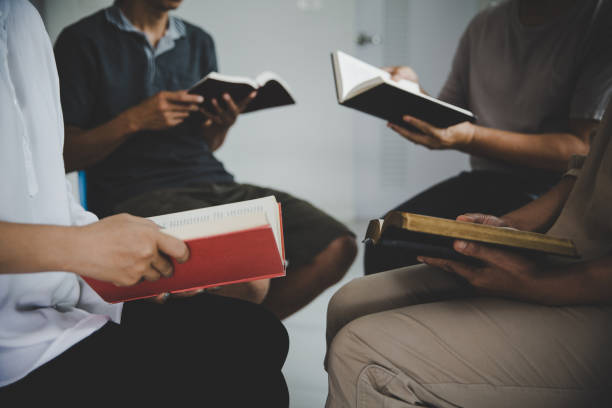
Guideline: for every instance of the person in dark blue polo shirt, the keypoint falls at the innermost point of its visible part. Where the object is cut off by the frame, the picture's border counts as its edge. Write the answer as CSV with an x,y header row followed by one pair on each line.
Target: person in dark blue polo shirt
x,y
147,145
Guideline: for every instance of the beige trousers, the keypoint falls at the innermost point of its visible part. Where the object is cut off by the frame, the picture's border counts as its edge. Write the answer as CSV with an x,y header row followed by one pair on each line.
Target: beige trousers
x,y
418,336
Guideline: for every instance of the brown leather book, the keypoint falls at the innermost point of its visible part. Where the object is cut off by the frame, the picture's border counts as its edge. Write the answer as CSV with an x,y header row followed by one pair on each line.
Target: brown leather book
x,y
434,236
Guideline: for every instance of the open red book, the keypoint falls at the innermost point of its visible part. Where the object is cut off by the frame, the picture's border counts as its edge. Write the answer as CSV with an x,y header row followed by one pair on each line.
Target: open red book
x,y
228,243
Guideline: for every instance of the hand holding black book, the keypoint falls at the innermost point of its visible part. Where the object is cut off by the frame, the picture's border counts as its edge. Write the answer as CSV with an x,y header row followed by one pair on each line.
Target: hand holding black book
x,y
371,90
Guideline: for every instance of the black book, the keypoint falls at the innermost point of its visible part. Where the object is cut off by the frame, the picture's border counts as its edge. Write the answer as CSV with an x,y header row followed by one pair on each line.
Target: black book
x,y
433,236
371,90
272,91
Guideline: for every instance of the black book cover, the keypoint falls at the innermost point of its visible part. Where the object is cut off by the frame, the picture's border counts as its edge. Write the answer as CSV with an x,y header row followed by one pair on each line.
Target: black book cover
x,y
272,94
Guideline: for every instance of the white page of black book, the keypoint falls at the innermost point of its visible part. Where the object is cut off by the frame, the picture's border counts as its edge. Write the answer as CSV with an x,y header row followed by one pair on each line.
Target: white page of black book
x,y
372,91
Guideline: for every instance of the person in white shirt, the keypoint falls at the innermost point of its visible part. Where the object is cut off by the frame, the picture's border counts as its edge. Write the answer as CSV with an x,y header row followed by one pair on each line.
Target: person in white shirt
x,y
55,331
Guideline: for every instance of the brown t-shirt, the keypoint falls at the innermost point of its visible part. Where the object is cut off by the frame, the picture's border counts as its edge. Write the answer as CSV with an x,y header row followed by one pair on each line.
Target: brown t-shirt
x,y
532,79
587,215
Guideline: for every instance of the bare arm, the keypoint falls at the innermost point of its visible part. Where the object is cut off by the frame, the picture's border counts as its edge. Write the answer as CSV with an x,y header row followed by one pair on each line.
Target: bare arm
x,y
507,274
546,150
121,249
539,215
549,151
83,148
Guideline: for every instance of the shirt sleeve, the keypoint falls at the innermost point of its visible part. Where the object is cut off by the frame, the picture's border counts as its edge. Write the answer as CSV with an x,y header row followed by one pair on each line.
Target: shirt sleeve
x,y
455,89
594,78
78,215
77,72
209,56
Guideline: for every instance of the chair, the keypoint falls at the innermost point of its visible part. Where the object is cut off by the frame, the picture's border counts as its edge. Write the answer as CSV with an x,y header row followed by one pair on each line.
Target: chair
x,y
83,188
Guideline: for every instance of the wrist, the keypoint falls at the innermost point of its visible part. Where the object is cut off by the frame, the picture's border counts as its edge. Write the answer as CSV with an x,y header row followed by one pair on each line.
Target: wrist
x,y
462,136
469,134
73,250
129,122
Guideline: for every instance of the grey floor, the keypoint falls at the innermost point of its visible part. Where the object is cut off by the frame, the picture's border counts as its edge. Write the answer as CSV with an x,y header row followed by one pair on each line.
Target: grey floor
x,y
303,369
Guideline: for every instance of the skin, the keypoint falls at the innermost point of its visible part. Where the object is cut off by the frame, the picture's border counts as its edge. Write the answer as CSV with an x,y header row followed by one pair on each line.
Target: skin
x,y
549,151
507,274
86,147
121,249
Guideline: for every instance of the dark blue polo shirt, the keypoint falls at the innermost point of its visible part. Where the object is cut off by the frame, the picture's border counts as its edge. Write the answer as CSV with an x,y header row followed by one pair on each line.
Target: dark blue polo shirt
x,y
106,66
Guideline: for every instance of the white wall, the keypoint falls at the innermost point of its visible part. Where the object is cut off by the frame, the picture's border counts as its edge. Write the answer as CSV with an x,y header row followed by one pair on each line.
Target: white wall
x,y
422,34
303,149
344,162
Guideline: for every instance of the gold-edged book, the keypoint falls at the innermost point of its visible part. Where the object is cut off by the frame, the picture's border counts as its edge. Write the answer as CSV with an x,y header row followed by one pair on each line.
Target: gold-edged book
x,y
434,236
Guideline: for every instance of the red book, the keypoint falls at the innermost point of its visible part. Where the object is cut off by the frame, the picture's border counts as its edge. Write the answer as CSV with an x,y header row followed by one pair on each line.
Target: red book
x,y
230,243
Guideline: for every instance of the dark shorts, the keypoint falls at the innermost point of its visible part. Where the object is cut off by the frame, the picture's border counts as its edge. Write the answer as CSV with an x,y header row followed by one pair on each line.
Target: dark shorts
x,y
306,229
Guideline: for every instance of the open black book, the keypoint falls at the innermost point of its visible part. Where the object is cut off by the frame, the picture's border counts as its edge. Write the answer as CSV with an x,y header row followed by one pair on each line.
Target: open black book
x,y
371,90
272,91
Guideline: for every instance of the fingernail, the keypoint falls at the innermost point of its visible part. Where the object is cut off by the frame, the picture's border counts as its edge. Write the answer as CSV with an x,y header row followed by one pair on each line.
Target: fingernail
x,y
460,245
407,118
226,96
420,259
200,98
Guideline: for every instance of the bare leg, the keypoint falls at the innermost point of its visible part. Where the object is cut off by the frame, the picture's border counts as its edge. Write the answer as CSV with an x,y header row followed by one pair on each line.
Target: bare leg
x,y
254,291
301,285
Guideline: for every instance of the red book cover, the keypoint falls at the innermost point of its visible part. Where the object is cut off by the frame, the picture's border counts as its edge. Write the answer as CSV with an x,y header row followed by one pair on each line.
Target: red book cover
x,y
217,260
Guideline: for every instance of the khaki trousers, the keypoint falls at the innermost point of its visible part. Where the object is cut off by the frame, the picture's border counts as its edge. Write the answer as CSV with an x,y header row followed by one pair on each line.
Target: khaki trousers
x,y
418,336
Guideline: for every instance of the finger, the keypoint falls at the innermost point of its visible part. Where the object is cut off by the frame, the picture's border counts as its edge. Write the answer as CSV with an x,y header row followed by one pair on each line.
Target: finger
x,y
221,113
468,272
151,274
178,115
418,138
216,106
188,293
211,116
486,253
245,102
208,123
184,97
173,247
161,298
182,107
233,108
162,265
484,219
421,125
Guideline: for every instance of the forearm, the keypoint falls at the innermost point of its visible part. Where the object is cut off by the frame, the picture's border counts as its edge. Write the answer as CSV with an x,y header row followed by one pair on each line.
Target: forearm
x,y
585,283
549,151
83,148
28,248
540,214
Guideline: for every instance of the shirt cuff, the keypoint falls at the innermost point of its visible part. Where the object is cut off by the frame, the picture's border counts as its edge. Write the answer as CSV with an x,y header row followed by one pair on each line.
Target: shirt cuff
x,y
575,165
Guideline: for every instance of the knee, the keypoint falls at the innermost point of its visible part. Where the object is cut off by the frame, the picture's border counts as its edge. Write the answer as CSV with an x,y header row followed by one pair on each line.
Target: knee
x,y
342,307
346,349
258,290
343,251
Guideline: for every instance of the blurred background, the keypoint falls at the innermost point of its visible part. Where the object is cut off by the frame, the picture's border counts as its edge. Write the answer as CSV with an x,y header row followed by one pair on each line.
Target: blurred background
x,y
344,162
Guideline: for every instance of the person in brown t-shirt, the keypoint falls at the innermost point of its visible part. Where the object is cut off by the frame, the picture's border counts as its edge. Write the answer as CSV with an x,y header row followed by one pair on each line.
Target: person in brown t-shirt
x,y
538,76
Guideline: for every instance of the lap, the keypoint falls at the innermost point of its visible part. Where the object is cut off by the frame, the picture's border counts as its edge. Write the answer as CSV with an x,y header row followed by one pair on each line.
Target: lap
x,y
205,346
307,230
473,351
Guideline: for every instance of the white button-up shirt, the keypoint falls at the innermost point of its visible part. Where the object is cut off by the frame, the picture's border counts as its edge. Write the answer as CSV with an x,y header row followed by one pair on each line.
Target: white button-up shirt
x,y
41,314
